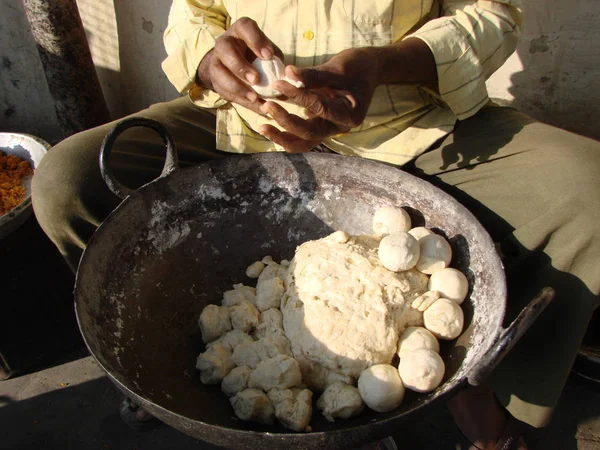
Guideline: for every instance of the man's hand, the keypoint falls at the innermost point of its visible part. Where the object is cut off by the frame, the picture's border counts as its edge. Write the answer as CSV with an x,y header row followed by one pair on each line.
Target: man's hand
x,y
336,98
338,93
227,68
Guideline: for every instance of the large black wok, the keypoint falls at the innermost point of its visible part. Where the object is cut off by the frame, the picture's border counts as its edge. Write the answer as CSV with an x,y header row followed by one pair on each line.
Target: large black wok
x,y
176,244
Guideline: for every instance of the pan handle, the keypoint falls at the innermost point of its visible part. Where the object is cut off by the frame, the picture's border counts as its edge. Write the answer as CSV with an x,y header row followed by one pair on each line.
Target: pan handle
x,y
171,162
509,336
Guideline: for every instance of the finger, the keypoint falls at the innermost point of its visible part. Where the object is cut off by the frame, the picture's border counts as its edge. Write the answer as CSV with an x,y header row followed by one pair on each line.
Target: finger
x,y
290,142
315,77
310,130
234,90
338,109
230,55
247,30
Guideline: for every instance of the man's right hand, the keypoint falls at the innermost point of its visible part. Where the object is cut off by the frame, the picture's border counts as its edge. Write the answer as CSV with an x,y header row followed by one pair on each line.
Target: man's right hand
x,y
227,69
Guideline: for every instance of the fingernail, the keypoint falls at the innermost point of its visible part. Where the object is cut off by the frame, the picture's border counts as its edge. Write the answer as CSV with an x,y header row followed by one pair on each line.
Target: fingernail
x,y
296,70
265,108
251,77
266,53
252,96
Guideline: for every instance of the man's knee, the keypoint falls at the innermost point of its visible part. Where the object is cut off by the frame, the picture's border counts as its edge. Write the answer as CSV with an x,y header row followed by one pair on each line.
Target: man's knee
x,y
60,179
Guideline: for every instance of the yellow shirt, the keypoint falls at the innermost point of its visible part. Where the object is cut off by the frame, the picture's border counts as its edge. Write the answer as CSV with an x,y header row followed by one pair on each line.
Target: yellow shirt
x,y
469,39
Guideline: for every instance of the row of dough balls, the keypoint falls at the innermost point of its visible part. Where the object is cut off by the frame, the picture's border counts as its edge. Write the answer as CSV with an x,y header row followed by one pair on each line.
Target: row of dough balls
x,y
421,368
403,248
248,353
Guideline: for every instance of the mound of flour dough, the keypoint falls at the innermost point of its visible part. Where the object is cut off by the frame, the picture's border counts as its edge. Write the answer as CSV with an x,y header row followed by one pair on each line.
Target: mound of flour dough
x,y
342,309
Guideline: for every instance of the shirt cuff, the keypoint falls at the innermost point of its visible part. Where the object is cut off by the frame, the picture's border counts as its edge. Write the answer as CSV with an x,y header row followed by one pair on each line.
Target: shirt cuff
x,y
461,81
181,65
205,98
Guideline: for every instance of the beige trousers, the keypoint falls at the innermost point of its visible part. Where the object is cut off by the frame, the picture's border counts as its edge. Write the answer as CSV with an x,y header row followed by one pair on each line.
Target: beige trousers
x,y
535,188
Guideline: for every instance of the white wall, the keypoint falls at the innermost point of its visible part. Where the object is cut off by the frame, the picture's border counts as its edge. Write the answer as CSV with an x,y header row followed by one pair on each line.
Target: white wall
x,y
551,76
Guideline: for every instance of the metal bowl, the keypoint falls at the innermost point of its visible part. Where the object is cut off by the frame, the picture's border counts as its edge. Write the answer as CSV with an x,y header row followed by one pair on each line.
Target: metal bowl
x,y
31,149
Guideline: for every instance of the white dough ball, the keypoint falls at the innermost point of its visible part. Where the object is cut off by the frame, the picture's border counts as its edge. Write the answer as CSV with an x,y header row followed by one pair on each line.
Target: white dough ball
x,y
381,388
450,283
445,319
398,252
390,220
421,370
417,337
271,70
419,232
435,254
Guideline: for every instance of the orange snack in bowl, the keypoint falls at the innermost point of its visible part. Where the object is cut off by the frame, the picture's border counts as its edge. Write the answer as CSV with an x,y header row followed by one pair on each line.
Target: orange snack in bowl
x,y
12,171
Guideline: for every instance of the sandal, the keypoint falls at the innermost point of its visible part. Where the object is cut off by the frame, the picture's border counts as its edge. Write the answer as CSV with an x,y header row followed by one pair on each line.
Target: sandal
x,y
511,438
128,412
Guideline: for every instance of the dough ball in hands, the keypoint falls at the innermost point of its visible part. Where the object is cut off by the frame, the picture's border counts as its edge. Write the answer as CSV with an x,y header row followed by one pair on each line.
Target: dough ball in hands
x,y
293,407
244,316
214,364
390,220
239,294
435,254
421,370
381,388
279,372
214,321
450,283
269,293
340,401
417,337
271,70
445,319
419,232
254,269
398,252
253,405
236,380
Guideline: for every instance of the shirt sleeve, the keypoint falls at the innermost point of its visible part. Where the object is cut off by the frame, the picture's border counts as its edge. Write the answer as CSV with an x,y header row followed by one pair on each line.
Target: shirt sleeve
x,y
192,29
470,42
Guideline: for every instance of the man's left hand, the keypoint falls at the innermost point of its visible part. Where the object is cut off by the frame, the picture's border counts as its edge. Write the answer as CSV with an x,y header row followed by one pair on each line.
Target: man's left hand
x,y
336,99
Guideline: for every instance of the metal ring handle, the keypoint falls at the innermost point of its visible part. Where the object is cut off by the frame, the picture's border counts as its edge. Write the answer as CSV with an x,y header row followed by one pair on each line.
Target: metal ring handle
x,y
509,336
171,162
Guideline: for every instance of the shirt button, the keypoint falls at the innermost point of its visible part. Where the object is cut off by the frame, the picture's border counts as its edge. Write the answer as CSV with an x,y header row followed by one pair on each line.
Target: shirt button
x,y
309,35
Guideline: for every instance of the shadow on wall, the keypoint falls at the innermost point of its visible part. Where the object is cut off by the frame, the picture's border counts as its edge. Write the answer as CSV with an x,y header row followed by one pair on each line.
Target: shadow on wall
x,y
556,65
126,43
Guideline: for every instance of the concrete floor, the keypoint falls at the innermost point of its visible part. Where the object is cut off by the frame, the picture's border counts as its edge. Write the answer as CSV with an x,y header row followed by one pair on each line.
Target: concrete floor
x,y
64,401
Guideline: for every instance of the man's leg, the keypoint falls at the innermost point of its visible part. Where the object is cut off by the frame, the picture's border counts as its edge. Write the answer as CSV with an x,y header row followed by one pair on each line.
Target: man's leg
x,y
70,198
536,189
